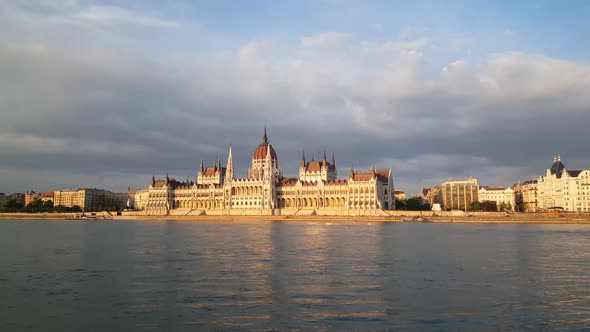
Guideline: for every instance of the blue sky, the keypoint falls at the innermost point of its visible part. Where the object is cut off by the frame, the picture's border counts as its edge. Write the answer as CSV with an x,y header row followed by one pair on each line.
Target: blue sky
x,y
91,91
552,28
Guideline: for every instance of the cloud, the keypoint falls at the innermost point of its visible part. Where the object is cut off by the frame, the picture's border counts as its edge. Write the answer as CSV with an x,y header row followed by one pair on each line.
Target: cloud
x,y
104,115
509,32
326,39
73,12
393,47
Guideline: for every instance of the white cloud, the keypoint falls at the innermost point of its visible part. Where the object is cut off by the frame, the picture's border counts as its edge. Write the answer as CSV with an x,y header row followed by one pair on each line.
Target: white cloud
x,y
326,39
72,12
393,47
104,15
509,32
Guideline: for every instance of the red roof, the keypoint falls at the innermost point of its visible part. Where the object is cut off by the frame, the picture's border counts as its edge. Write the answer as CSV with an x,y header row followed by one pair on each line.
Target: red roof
x,y
362,177
314,166
210,171
262,150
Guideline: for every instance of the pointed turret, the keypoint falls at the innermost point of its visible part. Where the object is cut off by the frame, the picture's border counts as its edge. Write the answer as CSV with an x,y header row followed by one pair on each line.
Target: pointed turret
x,y
351,171
324,161
201,167
333,161
229,172
167,179
218,164
302,159
153,180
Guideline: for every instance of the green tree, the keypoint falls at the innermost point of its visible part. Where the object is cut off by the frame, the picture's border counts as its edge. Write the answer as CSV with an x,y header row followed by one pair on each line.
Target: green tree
x,y
400,204
489,206
13,206
48,206
474,206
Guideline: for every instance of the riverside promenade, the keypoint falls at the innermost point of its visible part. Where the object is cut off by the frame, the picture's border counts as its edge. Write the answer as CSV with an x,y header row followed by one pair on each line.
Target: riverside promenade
x,y
393,216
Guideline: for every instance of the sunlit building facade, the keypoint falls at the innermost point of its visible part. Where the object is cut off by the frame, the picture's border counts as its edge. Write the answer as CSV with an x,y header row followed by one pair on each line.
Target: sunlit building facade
x,y
565,189
458,194
265,191
502,196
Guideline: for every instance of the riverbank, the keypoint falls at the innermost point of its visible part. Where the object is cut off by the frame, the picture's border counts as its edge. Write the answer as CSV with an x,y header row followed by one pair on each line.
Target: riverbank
x,y
398,216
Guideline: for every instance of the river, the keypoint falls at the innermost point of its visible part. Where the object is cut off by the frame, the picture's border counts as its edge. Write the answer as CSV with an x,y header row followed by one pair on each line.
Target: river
x,y
175,276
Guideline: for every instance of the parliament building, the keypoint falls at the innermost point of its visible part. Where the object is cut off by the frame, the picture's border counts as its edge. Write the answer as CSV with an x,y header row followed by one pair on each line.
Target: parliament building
x,y
265,191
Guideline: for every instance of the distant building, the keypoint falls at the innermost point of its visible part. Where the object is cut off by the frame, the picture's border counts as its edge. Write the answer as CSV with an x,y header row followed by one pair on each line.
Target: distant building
x,y
564,189
122,201
399,195
141,199
31,196
88,199
19,198
526,195
458,194
498,195
432,196
47,196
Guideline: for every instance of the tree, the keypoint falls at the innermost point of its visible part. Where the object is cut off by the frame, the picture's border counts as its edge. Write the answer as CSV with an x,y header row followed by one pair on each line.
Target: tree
x,y
474,206
13,206
489,206
400,204
48,206
416,204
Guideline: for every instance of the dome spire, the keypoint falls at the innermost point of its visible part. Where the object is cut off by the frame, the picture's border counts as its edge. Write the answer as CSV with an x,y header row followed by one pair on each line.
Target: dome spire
x,y
265,137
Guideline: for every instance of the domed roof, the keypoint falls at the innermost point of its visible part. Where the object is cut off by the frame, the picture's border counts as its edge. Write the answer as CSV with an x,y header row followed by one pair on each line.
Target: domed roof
x,y
262,149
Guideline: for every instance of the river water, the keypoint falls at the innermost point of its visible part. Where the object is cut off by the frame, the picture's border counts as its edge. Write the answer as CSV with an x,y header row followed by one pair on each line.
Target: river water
x,y
174,276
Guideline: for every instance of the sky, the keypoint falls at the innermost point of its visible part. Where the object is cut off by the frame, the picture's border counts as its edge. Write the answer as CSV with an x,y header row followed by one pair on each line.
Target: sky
x,y
107,93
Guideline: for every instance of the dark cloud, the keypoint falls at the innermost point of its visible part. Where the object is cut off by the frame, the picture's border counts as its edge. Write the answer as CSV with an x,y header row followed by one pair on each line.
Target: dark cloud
x,y
110,118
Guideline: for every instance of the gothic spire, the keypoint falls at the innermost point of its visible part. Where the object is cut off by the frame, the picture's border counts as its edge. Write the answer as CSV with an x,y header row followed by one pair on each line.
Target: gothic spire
x,y
333,160
324,161
229,172
201,167
351,171
302,159
265,137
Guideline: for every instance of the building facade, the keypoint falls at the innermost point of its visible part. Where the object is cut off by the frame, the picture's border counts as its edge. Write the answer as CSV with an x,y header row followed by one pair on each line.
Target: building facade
x,y
140,199
565,189
265,191
31,196
88,199
458,194
502,196
526,195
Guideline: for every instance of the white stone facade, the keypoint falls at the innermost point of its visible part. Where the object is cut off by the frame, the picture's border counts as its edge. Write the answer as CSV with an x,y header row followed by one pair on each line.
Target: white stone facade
x,y
266,192
498,195
565,189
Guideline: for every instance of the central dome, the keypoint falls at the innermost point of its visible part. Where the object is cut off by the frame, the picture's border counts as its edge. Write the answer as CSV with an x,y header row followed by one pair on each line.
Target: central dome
x,y
262,149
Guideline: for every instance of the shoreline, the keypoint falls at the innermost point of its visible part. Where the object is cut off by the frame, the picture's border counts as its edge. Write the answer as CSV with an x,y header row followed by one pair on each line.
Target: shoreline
x,y
500,218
